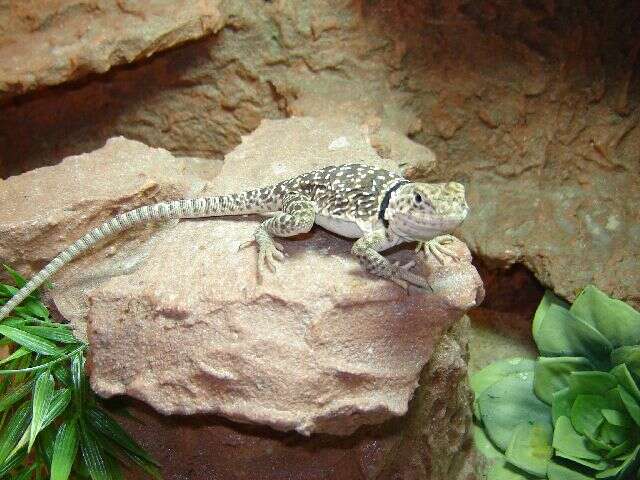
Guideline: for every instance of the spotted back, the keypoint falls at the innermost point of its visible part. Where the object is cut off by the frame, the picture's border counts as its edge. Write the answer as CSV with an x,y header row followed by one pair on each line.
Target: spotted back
x,y
348,192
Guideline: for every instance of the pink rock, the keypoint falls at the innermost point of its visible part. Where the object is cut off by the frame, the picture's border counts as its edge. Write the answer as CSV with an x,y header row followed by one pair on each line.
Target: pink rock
x,y
46,43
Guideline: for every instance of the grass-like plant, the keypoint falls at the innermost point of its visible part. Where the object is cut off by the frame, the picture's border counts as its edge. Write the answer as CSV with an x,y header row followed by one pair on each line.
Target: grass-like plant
x,y
51,423
573,413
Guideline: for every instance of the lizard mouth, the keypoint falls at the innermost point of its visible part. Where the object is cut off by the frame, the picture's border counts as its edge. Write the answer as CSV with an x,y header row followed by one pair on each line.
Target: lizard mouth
x,y
412,228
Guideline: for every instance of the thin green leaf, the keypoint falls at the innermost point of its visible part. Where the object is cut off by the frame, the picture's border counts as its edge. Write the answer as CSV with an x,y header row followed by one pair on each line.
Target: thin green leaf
x,y
113,467
32,307
14,430
63,375
59,401
44,445
7,291
42,394
26,473
79,382
99,420
15,395
12,462
47,365
64,451
92,456
21,352
19,280
30,341
57,334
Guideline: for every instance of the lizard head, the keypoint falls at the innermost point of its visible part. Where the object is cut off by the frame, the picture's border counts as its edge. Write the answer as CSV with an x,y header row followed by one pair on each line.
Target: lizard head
x,y
421,211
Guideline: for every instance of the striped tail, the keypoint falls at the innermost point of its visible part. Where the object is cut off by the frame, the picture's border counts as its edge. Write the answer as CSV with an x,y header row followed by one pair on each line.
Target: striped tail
x,y
253,201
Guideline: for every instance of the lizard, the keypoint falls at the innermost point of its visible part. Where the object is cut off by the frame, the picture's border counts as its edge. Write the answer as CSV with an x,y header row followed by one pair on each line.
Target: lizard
x,y
376,207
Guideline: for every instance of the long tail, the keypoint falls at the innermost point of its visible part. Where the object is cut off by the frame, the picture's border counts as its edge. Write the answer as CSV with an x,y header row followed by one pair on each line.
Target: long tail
x,y
252,201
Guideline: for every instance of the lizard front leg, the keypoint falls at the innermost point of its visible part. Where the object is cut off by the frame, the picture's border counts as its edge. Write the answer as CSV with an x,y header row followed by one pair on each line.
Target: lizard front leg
x,y
366,250
297,216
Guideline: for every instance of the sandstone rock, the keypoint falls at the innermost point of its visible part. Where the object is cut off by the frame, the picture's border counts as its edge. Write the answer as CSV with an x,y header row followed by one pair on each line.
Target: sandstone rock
x,y
431,442
46,209
320,346
346,334
569,238
45,43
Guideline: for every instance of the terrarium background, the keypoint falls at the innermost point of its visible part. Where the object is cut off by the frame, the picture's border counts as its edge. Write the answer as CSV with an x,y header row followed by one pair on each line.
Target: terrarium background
x,y
534,105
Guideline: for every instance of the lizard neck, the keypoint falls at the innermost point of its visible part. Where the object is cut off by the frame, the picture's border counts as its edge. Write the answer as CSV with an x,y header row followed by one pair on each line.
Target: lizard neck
x,y
384,203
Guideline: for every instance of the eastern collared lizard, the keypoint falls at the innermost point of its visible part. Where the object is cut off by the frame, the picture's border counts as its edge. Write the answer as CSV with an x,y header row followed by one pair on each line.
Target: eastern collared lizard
x,y
377,207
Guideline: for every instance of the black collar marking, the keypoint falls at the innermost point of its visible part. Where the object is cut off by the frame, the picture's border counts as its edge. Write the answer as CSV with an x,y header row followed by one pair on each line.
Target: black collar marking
x,y
385,201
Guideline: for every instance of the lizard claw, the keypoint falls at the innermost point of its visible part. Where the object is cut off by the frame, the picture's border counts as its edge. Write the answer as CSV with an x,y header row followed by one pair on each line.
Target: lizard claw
x,y
245,244
437,248
269,256
403,277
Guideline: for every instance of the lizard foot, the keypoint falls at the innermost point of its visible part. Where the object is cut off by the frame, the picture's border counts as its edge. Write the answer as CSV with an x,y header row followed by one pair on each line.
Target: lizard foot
x,y
403,277
437,247
269,254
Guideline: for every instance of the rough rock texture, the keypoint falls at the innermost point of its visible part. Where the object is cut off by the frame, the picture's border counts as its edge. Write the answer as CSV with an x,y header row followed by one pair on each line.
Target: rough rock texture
x,y
432,441
44,210
533,104
317,347
47,42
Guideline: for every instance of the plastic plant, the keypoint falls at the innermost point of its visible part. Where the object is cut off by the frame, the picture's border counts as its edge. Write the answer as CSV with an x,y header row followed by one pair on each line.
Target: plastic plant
x,y
574,413
51,424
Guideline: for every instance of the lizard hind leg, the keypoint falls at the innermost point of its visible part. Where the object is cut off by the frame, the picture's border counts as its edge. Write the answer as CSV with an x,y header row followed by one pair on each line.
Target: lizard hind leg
x,y
297,216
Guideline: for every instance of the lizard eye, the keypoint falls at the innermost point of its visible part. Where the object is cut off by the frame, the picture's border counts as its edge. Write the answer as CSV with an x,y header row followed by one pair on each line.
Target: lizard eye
x,y
418,198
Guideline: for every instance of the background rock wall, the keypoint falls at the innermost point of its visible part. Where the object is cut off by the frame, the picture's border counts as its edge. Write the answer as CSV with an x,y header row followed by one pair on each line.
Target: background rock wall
x,y
533,104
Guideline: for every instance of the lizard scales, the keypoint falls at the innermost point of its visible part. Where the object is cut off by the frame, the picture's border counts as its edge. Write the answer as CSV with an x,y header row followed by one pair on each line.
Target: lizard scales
x,y
375,206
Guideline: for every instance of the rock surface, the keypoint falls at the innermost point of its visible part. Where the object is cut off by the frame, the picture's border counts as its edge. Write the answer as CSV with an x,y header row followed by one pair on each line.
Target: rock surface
x,y
432,441
44,210
46,42
540,118
356,344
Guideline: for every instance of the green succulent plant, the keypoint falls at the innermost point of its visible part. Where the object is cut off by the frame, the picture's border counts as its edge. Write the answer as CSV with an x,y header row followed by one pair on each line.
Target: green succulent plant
x,y
573,413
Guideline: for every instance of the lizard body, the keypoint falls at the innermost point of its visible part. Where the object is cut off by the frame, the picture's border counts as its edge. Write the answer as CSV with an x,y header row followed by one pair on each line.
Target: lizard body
x,y
378,208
